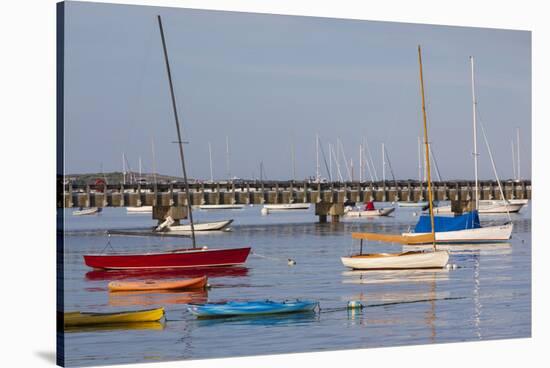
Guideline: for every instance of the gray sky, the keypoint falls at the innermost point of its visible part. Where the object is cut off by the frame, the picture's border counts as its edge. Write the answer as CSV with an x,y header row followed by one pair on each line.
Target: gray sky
x,y
268,80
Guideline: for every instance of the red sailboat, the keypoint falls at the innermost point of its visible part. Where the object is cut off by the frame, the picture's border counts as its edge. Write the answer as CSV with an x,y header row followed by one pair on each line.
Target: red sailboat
x,y
180,258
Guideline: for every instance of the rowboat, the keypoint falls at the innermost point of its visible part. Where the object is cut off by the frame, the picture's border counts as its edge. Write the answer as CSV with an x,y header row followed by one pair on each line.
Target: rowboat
x,y
406,260
379,212
181,258
205,226
148,285
86,211
86,318
139,210
250,308
221,206
486,234
420,204
287,206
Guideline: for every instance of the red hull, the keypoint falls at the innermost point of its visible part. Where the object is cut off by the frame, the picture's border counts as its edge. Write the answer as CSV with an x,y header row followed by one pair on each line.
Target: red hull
x,y
181,259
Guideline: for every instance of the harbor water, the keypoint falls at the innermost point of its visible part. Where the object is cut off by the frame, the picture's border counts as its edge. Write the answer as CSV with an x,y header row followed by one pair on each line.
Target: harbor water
x,y
487,296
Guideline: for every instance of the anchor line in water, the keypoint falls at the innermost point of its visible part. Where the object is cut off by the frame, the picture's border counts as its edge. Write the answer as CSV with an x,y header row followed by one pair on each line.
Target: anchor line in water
x,y
339,309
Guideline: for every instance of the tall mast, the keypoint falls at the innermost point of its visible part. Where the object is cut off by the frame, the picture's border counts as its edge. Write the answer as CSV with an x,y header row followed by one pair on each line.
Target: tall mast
x,y
317,174
139,161
330,162
514,159
427,150
517,152
383,163
210,156
154,164
293,161
123,169
227,157
474,106
180,142
360,162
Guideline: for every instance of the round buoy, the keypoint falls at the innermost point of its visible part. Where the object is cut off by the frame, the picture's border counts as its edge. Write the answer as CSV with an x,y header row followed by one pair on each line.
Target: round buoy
x,y
291,262
415,214
204,247
354,304
264,211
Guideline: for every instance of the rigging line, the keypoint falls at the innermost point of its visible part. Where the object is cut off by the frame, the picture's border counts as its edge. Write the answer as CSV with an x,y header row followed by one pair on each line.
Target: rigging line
x,y
493,163
325,160
337,165
389,165
345,159
368,166
435,163
370,158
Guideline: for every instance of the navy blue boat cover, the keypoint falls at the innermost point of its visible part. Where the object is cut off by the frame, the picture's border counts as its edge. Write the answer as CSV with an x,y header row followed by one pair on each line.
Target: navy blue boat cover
x,y
468,220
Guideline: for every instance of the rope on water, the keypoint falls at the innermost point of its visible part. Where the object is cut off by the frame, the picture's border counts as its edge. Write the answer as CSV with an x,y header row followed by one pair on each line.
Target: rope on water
x,y
354,305
289,261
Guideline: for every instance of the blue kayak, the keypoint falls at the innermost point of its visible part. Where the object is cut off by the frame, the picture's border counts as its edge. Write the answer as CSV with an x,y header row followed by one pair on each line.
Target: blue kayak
x,y
231,309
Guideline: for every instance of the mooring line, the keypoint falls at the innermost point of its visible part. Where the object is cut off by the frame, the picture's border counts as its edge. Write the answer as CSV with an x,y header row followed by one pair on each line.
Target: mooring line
x,y
339,309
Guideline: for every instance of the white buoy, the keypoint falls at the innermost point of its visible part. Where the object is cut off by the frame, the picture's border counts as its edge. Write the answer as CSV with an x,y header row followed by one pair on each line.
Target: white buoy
x,y
264,211
354,304
291,262
204,247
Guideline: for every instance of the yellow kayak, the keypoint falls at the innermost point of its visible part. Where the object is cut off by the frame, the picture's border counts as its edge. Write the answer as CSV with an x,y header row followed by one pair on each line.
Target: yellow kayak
x,y
87,319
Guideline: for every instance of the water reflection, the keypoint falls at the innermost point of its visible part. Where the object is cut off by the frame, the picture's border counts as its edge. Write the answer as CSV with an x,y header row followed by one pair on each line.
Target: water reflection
x,y
147,298
235,271
479,248
394,276
117,327
293,319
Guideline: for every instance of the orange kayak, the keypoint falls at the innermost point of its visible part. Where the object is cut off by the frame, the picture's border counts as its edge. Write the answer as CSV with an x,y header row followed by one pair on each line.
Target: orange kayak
x,y
195,283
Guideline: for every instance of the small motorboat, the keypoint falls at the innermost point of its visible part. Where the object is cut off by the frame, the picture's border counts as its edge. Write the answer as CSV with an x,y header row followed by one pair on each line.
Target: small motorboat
x,y
86,211
149,285
86,318
204,226
370,213
420,204
251,308
287,207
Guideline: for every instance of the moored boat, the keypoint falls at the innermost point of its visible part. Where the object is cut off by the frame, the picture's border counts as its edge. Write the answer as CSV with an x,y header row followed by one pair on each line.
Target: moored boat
x,y
287,207
139,210
371,213
87,318
148,285
406,260
420,204
182,258
86,211
205,226
221,206
251,308
490,207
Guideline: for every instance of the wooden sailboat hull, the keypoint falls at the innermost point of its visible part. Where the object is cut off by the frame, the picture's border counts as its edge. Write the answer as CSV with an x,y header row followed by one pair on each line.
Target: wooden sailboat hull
x,y
407,260
149,285
374,213
188,258
488,234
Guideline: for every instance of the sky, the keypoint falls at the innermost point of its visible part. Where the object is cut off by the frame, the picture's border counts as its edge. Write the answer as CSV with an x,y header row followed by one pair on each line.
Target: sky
x,y
268,83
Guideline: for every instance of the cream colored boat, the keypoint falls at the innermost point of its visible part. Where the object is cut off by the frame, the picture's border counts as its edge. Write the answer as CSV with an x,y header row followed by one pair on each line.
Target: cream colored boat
x,y
406,260
373,213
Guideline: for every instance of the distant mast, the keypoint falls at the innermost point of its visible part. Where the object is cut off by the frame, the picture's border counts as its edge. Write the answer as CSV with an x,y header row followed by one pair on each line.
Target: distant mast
x,y
517,152
317,171
227,158
474,108
210,155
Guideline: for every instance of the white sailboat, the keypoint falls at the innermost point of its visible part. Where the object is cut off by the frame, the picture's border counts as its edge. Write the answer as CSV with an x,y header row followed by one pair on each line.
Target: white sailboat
x,y
86,211
454,231
205,226
404,260
142,210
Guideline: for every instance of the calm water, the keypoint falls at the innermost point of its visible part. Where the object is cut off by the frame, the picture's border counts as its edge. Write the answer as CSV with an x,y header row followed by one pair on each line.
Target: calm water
x,y
487,297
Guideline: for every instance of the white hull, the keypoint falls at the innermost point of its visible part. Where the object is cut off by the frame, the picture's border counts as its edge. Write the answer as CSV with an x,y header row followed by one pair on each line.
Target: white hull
x,y
139,210
412,204
407,260
287,207
206,226
221,206
373,213
487,234
86,211
487,207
